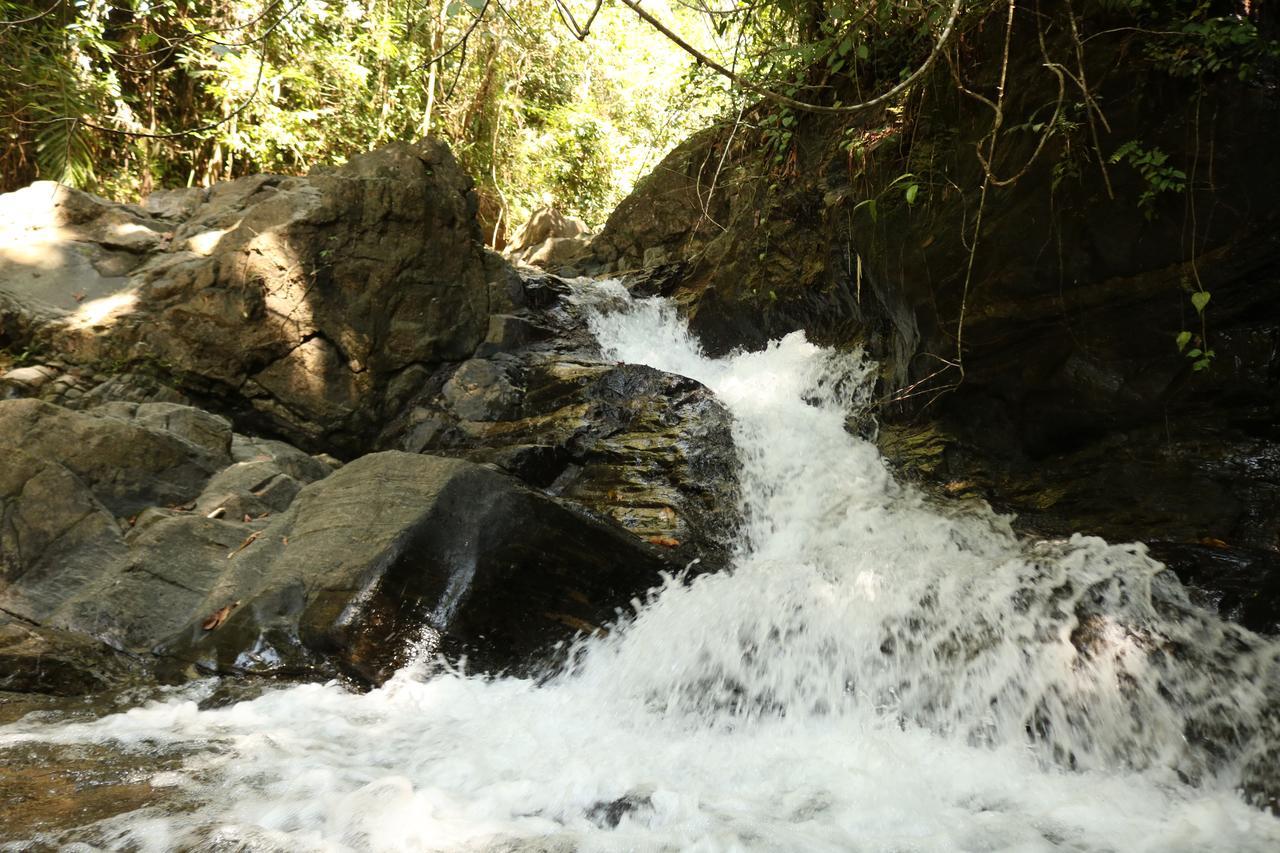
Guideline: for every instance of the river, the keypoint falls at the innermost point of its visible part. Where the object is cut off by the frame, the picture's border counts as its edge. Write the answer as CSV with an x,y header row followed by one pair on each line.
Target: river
x,y
877,672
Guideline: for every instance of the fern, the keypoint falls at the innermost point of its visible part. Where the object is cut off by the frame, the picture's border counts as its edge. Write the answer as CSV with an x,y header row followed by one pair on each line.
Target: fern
x,y
64,145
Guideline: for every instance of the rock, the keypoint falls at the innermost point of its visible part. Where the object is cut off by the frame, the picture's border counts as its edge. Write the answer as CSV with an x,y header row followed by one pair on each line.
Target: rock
x,y
1075,409
549,240
42,660
397,549
193,425
656,257
56,537
651,451
288,303
128,466
73,480
275,563
546,223
25,381
479,390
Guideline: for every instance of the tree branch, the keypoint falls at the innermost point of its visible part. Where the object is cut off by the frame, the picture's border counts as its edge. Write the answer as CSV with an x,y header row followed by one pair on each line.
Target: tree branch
x,y
771,95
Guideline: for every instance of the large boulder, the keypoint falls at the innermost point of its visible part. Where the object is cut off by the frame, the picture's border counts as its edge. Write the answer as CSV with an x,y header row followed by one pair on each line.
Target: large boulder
x,y
152,529
399,554
550,240
93,502
291,303
650,451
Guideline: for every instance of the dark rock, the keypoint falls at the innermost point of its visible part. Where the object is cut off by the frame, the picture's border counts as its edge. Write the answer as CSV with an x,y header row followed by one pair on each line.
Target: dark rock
x,y
609,815
1243,584
43,660
1075,409
648,450
397,550
276,564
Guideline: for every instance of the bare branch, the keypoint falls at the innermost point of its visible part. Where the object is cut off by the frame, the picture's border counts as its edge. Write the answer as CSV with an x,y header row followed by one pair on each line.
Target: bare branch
x,y
776,97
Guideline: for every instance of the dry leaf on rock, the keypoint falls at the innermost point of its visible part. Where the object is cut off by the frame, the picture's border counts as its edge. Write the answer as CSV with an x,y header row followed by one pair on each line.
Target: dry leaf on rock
x,y
217,617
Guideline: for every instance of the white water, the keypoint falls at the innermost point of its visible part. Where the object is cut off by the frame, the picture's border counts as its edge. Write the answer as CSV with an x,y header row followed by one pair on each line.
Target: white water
x,y
869,677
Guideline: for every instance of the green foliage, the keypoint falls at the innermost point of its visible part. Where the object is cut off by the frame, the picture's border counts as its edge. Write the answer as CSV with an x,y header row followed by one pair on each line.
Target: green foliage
x,y
909,194
1197,38
1158,176
1200,354
223,88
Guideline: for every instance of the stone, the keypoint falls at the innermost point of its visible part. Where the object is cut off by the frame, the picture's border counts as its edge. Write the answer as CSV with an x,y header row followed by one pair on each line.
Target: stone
x,y
28,380
56,537
43,660
397,549
209,431
479,390
275,563
126,465
549,240
650,451
288,302
656,256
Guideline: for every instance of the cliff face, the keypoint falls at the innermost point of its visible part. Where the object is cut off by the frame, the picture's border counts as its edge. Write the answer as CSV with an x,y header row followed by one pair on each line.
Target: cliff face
x,y
1031,359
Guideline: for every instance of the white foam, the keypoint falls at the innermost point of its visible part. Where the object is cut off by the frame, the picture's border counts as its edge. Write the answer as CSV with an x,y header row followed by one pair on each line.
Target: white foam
x,y
874,674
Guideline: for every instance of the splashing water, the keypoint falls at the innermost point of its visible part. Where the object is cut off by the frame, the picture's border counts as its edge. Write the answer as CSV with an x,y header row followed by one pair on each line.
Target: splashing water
x,y
874,674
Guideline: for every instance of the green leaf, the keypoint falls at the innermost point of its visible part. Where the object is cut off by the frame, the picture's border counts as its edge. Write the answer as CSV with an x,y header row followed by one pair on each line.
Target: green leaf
x,y
912,192
1195,353
863,52
476,4
1200,299
453,8
1183,339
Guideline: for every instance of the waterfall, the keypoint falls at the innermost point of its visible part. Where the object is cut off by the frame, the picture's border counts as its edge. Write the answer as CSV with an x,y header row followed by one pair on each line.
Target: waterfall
x,y
877,672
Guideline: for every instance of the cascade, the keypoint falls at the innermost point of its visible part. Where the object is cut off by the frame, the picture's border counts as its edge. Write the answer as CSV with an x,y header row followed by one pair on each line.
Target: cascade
x,y
877,672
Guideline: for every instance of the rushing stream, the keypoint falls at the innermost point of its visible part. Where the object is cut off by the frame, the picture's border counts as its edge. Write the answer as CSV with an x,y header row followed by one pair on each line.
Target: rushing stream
x,y
877,673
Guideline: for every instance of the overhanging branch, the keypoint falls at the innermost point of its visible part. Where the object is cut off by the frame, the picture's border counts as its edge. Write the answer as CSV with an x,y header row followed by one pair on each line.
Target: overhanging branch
x,y
776,97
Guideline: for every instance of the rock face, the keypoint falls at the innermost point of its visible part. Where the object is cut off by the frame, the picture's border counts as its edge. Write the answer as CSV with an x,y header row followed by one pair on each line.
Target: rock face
x,y
290,302
1074,408
248,556
549,240
651,451
398,549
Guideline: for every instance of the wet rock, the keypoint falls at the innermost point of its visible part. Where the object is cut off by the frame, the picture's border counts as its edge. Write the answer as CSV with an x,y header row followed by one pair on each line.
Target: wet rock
x,y
398,549
651,451
608,815
244,555
43,660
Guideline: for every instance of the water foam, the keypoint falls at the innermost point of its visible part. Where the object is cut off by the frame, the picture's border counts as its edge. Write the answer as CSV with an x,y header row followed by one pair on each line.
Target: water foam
x,y
874,674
